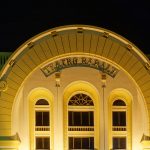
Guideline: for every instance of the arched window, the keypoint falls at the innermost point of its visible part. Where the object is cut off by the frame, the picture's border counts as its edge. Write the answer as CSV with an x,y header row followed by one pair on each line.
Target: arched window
x,y
42,125
119,103
80,100
119,115
81,122
42,102
119,124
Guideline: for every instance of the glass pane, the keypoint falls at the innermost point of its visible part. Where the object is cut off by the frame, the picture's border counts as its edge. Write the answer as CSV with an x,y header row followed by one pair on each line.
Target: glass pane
x,y
92,143
77,143
85,119
42,102
119,103
38,118
71,143
123,143
42,143
45,118
85,143
91,118
115,119
119,118
46,143
119,143
80,118
81,143
70,118
122,118
77,118
115,143
39,144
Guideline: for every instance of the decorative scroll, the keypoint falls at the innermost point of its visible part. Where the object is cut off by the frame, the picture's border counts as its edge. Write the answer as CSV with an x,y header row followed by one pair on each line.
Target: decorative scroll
x,y
79,62
80,100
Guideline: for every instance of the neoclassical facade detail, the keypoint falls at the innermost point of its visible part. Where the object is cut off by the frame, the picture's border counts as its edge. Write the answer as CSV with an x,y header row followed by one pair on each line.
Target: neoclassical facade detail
x,y
75,87
120,119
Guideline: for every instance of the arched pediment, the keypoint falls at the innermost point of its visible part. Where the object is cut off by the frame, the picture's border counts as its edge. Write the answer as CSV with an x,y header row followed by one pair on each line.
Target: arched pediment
x,y
69,40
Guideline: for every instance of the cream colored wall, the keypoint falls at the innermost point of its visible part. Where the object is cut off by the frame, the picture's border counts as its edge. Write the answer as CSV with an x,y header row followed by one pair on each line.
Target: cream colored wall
x,y
20,119
37,79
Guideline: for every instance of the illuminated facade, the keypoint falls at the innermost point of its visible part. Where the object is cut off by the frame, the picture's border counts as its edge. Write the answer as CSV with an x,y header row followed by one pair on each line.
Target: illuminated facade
x,y
75,87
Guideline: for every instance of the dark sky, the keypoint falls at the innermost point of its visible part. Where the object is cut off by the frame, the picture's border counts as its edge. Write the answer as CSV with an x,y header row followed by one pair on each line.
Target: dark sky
x,y
21,20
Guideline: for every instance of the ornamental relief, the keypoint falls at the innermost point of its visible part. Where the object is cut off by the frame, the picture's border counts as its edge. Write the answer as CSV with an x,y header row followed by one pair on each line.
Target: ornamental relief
x,y
3,85
79,61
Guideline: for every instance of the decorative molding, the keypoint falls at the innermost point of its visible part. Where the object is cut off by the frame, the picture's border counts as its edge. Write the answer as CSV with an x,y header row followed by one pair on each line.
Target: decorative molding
x,y
103,79
3,85
12,62
147,66
129,47
106,35
79,30
30,45
57,78
54,33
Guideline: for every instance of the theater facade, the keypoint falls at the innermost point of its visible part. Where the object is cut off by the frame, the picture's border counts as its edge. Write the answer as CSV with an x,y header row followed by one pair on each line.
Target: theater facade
x,y
75,87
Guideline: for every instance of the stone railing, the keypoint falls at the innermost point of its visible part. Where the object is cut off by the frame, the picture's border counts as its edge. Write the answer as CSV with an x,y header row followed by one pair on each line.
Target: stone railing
x,y
81,128
119,128
42,128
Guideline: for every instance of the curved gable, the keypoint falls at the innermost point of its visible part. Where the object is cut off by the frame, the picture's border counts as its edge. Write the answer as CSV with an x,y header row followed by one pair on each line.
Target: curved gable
x,y
67,40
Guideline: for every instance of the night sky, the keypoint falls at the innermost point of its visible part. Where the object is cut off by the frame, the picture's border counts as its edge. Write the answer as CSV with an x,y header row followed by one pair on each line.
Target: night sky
x,y
21,20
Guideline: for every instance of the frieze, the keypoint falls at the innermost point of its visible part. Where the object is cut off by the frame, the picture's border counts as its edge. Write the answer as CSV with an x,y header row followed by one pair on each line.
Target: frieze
x,y
78,61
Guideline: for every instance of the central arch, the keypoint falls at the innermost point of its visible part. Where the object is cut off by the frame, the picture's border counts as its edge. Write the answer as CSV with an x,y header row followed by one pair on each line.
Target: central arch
x,y
88,89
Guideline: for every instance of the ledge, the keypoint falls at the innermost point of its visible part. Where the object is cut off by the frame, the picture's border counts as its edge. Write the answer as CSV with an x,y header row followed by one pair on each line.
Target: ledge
x,y
9,142
145,141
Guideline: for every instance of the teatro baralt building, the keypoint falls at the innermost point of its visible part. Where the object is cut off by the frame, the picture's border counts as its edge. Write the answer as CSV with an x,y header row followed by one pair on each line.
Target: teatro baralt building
x,y
75,87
